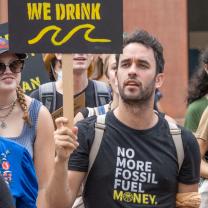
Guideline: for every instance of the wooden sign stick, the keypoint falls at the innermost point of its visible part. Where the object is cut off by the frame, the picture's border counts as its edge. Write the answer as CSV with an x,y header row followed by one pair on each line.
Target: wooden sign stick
x,y
68,88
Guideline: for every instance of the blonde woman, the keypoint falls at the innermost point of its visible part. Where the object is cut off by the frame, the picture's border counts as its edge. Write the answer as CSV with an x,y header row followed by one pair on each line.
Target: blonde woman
x,y
23,119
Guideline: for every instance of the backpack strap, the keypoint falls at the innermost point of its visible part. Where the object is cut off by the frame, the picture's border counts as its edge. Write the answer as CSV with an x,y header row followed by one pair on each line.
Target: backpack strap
x,y
177,139
100,110
99,131
91,112
102,93
47,95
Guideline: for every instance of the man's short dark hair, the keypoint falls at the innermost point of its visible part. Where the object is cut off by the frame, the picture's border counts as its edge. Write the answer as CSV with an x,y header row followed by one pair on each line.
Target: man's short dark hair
x,y
143,37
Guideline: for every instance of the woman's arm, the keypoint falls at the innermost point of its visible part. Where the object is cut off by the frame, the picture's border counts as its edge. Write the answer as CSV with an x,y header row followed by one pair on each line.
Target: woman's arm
x,y
44,153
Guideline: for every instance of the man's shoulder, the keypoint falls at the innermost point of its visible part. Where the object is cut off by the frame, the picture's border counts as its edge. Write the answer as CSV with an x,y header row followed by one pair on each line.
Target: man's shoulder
x,y
188,137
97,85
87,122
101,87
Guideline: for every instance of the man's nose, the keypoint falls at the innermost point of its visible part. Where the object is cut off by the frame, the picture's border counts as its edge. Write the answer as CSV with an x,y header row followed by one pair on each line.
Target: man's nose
x,y
132,70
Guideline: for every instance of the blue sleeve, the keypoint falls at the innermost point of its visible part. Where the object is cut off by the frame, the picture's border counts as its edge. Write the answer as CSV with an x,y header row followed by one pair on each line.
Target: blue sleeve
x,y
29,182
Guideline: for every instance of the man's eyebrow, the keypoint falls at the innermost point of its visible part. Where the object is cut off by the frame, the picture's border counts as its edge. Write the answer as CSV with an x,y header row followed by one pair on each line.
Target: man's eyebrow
x,y
126,59
142,61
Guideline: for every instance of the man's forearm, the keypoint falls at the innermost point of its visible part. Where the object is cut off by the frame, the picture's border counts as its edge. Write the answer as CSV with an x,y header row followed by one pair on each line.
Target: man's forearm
x,y
57,192
188,200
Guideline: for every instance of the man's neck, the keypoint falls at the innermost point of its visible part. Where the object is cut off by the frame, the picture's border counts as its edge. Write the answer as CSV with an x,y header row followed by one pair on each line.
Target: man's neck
x,y
114,103
80,82
137,117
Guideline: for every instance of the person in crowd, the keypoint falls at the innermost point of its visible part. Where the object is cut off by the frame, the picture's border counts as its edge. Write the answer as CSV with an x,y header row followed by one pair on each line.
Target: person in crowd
x,y
23,119
6,200
202,138
109,69
136,165
86,92
198,94
53,65
17,169
98,65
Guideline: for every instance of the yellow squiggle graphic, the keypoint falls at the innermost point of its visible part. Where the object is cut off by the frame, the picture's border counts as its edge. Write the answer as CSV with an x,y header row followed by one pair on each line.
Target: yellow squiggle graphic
x,y
57,29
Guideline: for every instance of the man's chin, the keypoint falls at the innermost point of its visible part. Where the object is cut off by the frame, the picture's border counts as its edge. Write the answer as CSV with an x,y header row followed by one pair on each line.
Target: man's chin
x,y
131,96
79,70
135,99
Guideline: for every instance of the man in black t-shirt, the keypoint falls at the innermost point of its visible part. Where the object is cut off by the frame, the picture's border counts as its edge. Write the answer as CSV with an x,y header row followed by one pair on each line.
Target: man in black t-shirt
x,y
137,164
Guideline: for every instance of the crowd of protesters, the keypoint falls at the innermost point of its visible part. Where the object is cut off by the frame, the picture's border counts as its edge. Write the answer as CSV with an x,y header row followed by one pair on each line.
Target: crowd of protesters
x,y
123,150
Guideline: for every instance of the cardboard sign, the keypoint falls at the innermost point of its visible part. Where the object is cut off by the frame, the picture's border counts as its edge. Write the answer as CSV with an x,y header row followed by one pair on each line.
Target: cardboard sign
x,y
34,73
66,26
79,102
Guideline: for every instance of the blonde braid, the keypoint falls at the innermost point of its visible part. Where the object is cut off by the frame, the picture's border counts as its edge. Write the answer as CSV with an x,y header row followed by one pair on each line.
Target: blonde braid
x,y
22,101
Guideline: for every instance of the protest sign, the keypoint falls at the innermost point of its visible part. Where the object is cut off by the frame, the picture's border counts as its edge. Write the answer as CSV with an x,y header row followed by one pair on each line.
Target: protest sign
x,y
34,73
66,26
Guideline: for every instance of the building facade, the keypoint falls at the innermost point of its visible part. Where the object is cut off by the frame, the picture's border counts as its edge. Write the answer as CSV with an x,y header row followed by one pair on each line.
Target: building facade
x,y
167,20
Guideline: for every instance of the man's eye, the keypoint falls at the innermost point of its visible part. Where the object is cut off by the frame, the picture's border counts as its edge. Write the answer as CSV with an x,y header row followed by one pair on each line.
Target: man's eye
x,y
143,66
125,65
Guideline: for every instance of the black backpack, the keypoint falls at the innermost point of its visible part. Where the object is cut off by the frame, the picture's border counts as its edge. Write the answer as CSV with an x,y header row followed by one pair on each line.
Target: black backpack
x,y
47,94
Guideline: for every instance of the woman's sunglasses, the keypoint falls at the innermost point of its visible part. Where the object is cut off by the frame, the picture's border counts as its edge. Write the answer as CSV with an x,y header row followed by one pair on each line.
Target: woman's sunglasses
x,y
15,66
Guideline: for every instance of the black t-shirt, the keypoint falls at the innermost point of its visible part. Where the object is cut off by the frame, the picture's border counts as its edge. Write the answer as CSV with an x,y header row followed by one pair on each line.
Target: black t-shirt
x,y
90,100
134,168
6,200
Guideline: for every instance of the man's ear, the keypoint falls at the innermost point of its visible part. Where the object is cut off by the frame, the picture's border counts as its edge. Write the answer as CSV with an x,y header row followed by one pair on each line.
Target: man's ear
x,y
159,80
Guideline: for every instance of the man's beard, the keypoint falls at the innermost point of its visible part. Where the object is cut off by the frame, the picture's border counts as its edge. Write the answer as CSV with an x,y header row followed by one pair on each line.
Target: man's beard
x,y
143,98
